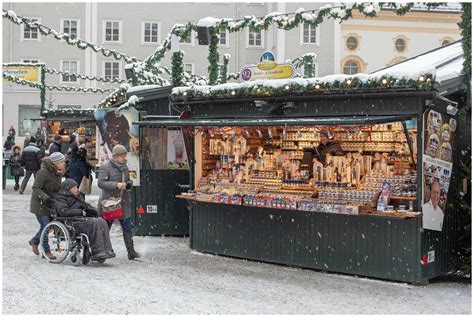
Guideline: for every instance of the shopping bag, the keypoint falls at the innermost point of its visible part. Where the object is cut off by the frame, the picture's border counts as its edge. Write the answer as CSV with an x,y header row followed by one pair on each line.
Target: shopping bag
x,y
86,185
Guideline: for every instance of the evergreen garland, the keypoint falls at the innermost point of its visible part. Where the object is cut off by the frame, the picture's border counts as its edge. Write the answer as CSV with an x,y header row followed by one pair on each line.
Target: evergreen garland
x,y
224,69
465,26
177,78
45,30
43,87
213,56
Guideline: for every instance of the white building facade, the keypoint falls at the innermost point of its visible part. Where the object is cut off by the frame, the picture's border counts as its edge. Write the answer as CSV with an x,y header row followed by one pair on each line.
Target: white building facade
x,y
138,30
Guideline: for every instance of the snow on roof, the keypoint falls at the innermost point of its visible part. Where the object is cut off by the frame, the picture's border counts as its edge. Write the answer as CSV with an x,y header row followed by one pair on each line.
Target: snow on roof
x,y
449,7
445,61
136,89
208,22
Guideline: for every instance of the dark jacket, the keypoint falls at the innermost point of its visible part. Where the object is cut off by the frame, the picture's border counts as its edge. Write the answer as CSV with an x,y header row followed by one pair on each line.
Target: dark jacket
x,y
79,168
26,143
46,186
73,148
332,148
109,176
68,205
16,162
55,147
32,157
8,144
12,133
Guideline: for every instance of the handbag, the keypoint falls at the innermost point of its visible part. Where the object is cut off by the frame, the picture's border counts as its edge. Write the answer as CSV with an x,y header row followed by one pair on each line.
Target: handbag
x,y
22,172
112,207
86,185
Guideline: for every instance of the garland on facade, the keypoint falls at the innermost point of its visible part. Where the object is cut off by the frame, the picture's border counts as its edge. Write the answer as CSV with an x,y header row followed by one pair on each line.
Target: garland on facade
x,y
114,96
224,69
213,57
300,86
465,26
62,111
33,84
45,30
177,77
307,61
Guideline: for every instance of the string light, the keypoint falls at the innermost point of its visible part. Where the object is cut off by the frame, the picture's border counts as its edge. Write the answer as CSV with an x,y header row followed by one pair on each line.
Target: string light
x,y
421,78
349,82
384,81
233,93
287,87
317,86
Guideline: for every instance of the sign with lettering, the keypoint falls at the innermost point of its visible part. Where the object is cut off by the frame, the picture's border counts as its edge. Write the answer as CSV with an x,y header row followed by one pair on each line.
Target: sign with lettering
x,y
31,73
267,68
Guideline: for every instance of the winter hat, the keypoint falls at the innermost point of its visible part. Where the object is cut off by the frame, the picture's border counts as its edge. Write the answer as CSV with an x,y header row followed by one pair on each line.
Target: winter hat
x,y
118,150
57,157
68,183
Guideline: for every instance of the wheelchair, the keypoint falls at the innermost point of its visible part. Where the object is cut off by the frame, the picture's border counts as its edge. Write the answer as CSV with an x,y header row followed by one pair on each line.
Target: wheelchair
x,y
64,242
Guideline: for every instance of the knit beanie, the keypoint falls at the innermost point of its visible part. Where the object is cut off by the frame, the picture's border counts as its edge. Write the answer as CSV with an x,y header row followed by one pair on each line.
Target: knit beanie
x,y
57,157
68,183
118,150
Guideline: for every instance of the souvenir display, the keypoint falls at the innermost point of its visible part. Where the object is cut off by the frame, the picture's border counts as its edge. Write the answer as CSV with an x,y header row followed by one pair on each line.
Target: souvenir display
x,y
263,168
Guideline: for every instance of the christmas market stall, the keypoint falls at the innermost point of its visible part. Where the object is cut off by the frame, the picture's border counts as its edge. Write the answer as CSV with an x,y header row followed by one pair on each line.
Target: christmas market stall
x,y
64,122
342,173
161,163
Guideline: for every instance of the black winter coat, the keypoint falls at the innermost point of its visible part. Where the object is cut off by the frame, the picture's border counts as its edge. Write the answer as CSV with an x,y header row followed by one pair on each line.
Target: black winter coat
x,y
68,205
79,168
32,158
15,165
55,147
8,145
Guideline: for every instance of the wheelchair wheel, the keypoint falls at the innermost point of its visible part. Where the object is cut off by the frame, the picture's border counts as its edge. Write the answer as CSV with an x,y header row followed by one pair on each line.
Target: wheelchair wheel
x,y
75,258
86,253
59,241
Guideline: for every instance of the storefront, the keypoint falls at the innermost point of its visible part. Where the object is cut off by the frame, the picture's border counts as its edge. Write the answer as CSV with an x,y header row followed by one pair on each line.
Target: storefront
x,y
68,121
261,193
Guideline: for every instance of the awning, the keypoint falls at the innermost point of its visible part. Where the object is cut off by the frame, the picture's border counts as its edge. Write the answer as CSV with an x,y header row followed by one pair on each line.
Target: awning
x,y
352,120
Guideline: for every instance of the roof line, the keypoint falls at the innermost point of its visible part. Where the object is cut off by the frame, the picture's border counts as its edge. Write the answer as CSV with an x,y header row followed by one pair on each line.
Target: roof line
x,y
411,58
449,61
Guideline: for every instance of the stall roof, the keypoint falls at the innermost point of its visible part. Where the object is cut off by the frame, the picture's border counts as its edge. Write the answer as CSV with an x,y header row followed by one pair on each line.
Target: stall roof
x,y
149,92
446,62
351,120
69,114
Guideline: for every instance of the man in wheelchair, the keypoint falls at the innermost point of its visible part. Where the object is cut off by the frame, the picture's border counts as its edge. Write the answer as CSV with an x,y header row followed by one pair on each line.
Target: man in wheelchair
x,y
83,218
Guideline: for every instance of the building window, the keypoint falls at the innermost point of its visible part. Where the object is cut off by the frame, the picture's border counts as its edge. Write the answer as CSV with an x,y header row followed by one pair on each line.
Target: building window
x,y
112,70
70,67
30,33
310,34
71,27
254,38
30,60
151,32
189,68
400,45
352,43
113,31
27,115
224,38
351,67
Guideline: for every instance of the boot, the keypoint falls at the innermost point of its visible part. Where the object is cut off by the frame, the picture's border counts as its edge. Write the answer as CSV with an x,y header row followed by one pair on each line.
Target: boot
x,y
34,248
50,256
128,239
16,187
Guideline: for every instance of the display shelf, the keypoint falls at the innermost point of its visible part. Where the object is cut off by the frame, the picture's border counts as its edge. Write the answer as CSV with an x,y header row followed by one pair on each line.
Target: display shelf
x,y
403,198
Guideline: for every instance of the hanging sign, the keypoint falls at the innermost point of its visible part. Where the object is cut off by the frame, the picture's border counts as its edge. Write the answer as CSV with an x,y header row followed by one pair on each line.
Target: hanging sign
x,y
30,73
267,68
437,167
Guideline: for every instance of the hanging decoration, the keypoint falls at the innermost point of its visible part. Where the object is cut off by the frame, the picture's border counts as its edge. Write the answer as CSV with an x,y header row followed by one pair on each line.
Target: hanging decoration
x,y
307,62
101,79
213,56
224,69
177,77
300,86
45,30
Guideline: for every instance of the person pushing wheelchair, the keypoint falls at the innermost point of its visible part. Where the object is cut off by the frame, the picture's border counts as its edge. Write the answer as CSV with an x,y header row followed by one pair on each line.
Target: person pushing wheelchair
x,y
84,219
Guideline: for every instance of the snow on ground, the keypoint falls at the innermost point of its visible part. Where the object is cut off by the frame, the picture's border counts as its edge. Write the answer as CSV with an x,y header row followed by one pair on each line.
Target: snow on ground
x,y
170,279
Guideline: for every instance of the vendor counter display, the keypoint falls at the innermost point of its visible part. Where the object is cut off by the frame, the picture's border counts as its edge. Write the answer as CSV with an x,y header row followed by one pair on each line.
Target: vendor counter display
x,y
256,169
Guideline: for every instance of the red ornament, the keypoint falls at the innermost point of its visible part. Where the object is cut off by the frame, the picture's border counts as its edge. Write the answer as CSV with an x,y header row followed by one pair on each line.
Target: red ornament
x,y
425,260
140,210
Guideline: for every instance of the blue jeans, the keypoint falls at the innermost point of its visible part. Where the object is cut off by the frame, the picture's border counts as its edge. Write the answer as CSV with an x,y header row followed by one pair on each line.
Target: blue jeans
x,y
43,221
125,223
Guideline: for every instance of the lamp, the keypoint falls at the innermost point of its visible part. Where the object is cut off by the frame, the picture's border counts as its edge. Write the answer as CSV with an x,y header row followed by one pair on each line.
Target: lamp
x,y
204,35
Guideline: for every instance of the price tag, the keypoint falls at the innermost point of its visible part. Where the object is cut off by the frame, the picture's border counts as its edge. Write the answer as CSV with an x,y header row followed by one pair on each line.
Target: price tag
x,y
151,209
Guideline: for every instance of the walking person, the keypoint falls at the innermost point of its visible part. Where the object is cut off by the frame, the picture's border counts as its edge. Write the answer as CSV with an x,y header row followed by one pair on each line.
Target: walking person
x,y
31,159
27,140
12,133
42,147
16,168
80,167
45,188
7,146
56,145
115,182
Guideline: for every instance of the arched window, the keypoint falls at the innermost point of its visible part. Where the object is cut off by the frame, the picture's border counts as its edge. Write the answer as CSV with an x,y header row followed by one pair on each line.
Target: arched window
x,y
352,43
351,67
400,45
445,41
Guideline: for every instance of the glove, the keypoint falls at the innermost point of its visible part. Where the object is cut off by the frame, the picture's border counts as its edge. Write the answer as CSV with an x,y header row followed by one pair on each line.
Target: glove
x,y
49,203
91,213
129,184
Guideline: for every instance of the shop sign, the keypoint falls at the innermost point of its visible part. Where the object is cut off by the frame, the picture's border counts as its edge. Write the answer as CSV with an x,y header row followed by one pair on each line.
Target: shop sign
x,y
30,73
431,256
151,209
267,68
437,166
115,127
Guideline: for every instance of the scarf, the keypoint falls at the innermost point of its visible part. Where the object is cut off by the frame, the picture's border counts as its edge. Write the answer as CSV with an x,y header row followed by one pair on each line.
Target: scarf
x,y
121,167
